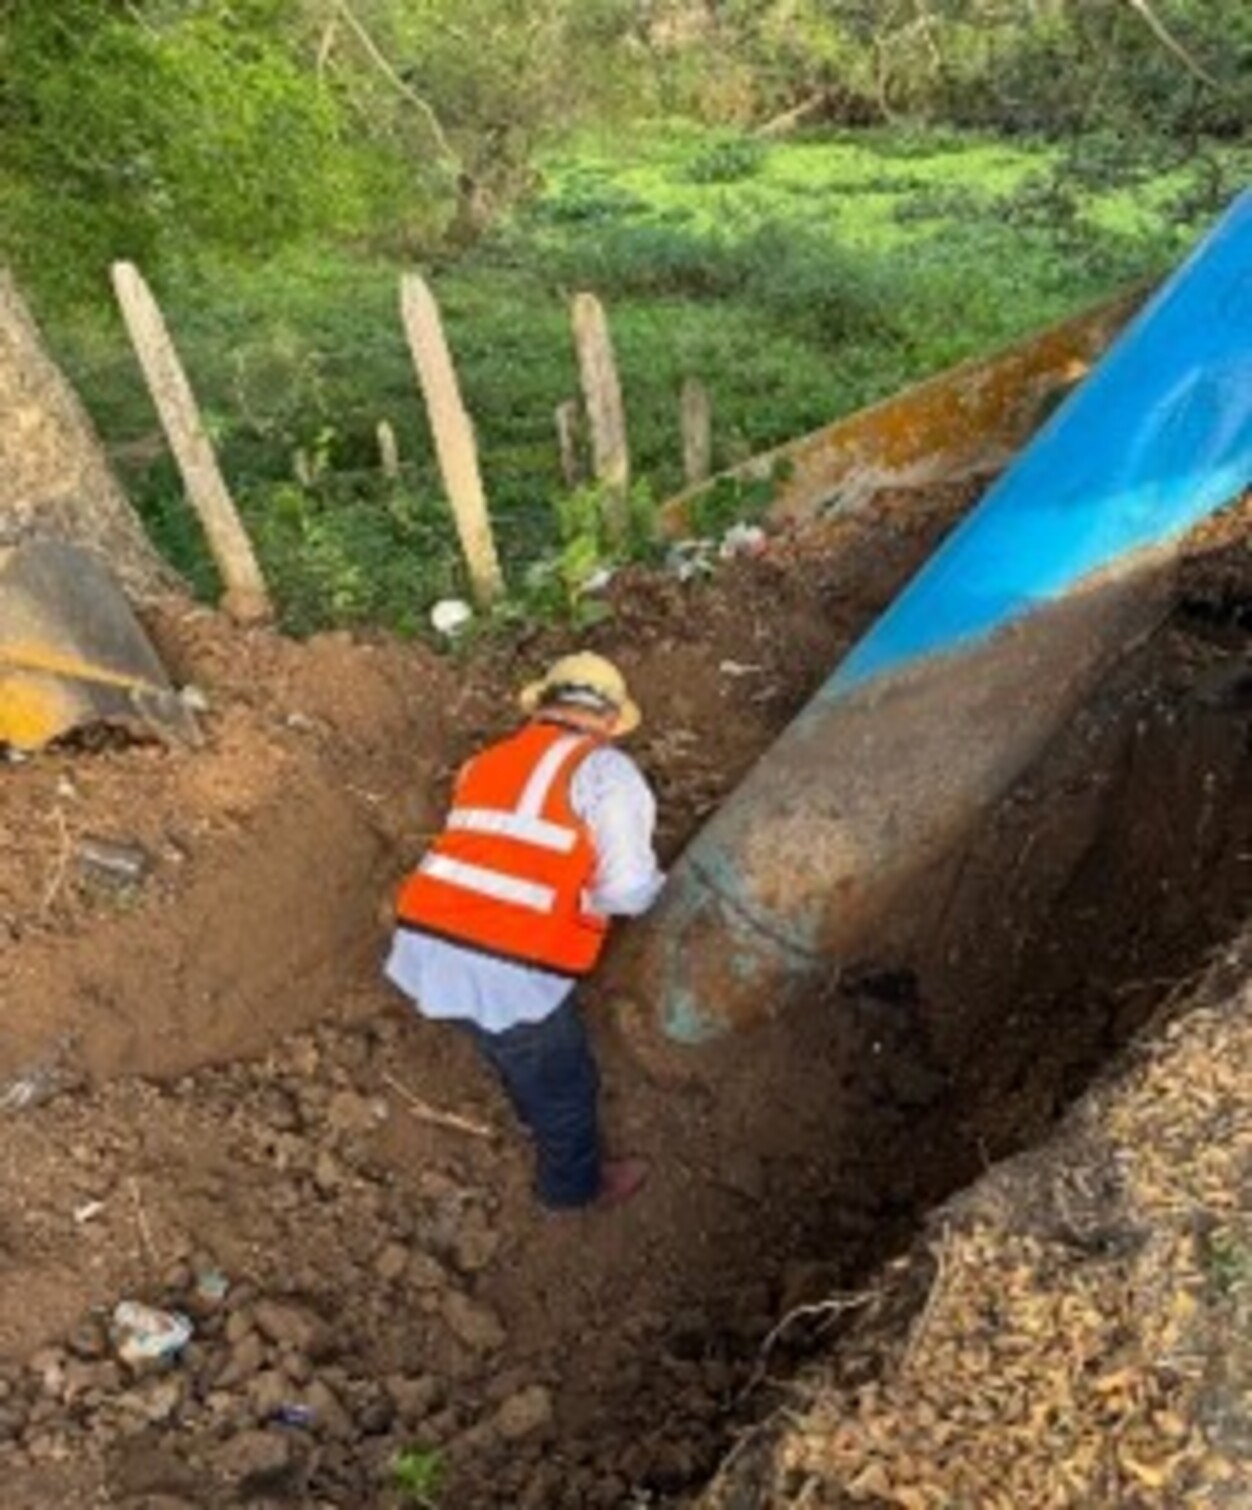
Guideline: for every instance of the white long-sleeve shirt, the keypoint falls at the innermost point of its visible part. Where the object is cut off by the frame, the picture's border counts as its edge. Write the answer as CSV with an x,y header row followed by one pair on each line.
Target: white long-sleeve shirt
x,y
609,793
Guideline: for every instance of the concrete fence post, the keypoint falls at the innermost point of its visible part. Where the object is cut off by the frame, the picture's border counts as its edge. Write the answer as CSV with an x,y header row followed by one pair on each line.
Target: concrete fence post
x,y
606,417
696,414
453,434
388,450
246,597
569,424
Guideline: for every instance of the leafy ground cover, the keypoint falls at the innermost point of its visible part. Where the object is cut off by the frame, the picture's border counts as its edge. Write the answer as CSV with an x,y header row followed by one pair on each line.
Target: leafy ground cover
x,y
1075,1332
797,279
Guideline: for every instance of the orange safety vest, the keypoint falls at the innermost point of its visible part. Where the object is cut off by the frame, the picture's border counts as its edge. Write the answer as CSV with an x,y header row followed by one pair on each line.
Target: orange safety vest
x,y
508,873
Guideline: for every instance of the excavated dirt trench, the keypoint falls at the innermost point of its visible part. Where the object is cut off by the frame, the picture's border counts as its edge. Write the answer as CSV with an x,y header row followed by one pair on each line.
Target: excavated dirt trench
x,y
390,1284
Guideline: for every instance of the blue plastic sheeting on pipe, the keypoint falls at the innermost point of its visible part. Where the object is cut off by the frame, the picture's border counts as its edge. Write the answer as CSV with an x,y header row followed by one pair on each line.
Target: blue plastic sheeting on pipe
x,y
1157,437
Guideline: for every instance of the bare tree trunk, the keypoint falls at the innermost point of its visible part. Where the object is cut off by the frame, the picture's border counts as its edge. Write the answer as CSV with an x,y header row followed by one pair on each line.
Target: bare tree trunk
x,y
246,598
54,477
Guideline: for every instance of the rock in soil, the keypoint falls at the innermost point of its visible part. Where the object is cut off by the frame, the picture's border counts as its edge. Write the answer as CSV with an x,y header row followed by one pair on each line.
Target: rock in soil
x,y
294,1327
256,1462
524,1414
474,1324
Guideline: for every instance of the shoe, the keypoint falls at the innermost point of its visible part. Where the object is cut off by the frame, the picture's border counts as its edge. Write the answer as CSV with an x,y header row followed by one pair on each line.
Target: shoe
x,y
619,1180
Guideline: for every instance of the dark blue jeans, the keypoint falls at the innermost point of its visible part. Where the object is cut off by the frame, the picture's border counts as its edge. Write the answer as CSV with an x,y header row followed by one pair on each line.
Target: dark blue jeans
x,y
551,1079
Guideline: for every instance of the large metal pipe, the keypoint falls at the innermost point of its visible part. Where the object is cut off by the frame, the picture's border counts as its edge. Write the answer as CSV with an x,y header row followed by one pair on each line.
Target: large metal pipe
x,y
958,687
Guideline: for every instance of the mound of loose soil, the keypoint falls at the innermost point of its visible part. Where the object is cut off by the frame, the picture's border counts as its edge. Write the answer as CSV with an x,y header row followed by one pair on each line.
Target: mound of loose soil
x,y
1074,1330
215,1106
327,763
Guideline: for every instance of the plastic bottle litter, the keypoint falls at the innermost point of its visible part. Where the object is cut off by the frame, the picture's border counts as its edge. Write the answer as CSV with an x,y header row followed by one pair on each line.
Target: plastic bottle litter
x,y
211,1286
39,1082
688,559
450,616
25,1091
742,540
118,862
294,1415
142,1334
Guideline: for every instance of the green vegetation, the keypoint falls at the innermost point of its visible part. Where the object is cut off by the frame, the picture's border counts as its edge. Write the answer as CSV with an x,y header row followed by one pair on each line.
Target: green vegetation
x,y
1229,1262
417,1473
831,273
964,174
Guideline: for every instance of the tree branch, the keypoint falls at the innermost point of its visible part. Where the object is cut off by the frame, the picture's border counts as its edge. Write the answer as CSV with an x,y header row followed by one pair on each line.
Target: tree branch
x,y
326,45
379,60
1171,43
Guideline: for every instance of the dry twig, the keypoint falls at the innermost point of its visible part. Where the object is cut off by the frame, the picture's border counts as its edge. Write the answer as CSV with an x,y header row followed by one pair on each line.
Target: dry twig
x,y
141,1221
384,66
57,878
428,1113
943,1253
743,1440
1171,43
831,1309
326,46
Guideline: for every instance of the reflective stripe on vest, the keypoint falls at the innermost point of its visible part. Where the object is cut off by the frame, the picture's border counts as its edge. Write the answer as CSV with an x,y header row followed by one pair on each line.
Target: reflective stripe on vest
x,y
544,774
490,820
523,822
489,883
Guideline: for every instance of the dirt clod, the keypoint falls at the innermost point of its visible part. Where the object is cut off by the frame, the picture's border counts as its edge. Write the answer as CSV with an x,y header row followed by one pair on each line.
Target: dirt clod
x,y
476,1325
254,1462
525,1413
293,1327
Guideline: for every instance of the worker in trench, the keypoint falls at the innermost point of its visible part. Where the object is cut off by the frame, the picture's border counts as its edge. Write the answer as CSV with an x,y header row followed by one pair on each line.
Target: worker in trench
x,y
549,836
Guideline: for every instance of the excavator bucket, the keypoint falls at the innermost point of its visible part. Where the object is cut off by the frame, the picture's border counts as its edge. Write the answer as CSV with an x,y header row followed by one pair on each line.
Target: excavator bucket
x,y
72,653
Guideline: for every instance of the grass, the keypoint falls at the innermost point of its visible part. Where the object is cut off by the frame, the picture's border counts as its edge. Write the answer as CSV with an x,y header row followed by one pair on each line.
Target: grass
x,y
417,1473
1229,1262
799,280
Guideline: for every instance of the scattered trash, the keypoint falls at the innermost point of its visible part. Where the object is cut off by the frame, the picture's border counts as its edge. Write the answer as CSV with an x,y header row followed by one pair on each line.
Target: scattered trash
x,y
86,1211
194,698
540,574
450,616
742,540
143,1335
27,1090
39,1082
688,559
114,861
598,580
699,557
739,668
294,1415
211,1286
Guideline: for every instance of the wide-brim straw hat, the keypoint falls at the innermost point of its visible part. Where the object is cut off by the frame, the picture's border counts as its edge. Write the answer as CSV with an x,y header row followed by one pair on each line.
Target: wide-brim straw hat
x,y
587,680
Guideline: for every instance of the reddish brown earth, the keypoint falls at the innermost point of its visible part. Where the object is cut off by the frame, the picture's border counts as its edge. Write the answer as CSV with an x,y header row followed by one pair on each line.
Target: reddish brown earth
x,y
224,1083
